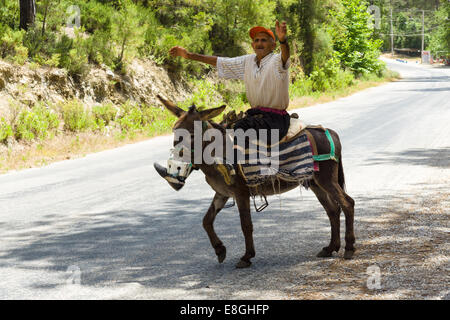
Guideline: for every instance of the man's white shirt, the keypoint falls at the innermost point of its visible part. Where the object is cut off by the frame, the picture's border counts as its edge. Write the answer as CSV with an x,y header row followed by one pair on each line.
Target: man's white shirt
x,y
266,85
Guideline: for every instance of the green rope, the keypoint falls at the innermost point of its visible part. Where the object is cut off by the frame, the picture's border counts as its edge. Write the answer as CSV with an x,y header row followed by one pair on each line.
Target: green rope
x,y
329,156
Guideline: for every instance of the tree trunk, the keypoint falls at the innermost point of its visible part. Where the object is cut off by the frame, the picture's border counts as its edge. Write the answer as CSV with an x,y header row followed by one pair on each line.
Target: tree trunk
x,y
27,13
45,17
307,14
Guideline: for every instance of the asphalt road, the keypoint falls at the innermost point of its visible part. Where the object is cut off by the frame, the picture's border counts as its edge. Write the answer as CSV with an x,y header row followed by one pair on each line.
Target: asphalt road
x,y
107,227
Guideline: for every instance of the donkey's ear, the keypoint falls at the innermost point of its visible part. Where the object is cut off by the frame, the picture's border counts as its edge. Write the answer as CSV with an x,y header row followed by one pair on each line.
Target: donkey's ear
x,y
211,113
171,106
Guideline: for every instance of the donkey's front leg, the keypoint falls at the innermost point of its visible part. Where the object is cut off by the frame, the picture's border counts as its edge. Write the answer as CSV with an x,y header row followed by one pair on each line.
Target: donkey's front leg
x,y
243,202
217,204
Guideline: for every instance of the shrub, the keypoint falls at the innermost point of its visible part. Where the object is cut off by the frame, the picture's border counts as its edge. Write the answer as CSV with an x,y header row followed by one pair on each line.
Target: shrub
x,y
5,130
103,115
99,48
37,122
11,46
76,117
204,96
156,120
54,61
301,87
96,16
131,117
73,56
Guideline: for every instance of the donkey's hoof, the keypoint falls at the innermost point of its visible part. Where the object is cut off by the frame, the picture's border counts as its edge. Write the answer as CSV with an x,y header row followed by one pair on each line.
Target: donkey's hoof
x,y
349,254
325,253
222,254
243,264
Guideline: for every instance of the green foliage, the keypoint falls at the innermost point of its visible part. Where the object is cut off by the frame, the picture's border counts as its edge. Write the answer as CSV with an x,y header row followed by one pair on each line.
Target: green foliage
x,y
9,14
331,76
204,96
62,48
127,33
76,117
115,32
96,16
302,86
5,130
232,94
130,117
35,123
54,61
233,18
75,60
116,4
440,39
11,47
104,114
352,37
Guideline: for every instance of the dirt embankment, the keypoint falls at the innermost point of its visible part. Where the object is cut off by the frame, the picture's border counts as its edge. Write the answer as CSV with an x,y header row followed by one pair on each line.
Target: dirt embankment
x,y
28,85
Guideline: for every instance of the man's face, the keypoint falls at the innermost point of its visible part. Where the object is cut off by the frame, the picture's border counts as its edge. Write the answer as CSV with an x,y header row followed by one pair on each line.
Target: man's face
x,y
263,44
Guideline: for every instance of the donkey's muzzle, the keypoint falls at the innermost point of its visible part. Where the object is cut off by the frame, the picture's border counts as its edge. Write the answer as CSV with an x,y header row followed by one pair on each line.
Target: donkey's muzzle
x,y
175,182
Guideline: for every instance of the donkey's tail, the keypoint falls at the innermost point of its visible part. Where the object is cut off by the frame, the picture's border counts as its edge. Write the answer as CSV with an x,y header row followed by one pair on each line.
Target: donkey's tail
x,y
341,178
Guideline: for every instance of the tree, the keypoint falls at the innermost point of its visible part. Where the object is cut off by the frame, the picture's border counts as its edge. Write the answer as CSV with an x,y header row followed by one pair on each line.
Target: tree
x,y
352,37
232,19
440,39
27,13
127,32
307,20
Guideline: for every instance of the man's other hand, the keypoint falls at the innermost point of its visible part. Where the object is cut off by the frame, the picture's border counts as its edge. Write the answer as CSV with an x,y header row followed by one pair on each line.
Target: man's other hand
x,y
178,52
281,30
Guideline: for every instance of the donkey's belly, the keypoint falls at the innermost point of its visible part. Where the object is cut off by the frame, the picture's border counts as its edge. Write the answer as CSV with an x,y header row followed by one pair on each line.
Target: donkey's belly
x,y
269,188
274,187
220,186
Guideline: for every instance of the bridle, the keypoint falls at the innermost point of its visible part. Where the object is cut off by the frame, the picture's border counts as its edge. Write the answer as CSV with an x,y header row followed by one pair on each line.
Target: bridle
x,y
182,169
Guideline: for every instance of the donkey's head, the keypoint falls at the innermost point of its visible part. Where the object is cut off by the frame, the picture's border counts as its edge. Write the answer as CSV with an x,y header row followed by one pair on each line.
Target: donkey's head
x,y
188,130
188,119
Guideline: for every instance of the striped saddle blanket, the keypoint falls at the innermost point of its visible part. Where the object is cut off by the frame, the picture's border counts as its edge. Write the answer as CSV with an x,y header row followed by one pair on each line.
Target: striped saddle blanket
x,y
290,161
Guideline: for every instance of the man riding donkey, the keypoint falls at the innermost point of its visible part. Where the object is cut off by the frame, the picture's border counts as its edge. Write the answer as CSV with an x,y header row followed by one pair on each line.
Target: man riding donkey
x,y
266,78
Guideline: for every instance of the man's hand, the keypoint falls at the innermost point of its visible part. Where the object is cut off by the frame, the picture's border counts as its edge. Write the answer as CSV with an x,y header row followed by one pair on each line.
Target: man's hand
x,y
178,52
281,30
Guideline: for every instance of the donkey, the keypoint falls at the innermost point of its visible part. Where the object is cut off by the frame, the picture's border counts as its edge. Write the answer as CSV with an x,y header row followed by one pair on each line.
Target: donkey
x,y
327,184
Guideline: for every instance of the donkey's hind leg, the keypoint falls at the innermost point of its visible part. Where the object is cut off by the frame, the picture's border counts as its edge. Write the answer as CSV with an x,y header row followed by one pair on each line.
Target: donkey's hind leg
x,y
347,204
217,204
333,211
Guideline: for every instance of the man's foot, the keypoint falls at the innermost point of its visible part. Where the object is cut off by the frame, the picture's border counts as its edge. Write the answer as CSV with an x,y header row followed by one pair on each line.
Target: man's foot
x,y
173,182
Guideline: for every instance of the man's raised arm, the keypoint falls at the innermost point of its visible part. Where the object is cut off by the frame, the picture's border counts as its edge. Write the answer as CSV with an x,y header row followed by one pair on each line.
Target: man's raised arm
x,y
281,31
182,52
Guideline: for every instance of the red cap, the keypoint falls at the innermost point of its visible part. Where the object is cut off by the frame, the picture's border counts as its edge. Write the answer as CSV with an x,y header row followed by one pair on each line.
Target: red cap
x,y
255,30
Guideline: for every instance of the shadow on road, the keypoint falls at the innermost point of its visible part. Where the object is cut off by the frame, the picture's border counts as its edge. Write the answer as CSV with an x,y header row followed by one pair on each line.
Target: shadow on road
x,y
439,157
426,79
431,89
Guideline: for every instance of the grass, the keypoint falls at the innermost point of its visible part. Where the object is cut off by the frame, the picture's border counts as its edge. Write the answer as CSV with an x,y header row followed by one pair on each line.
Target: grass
x,y
65,147
132,123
